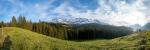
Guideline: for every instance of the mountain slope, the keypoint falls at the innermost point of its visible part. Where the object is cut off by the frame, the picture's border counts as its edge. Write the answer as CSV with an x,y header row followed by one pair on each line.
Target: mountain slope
x,y
21,39
26,40
147,38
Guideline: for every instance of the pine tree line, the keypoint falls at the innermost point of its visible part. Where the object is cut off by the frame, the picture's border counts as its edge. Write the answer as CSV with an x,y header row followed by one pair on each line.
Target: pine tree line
x,y
53,30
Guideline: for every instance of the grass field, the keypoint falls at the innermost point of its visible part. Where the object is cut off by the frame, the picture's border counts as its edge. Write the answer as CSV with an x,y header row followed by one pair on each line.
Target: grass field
x,y
21,39
147,37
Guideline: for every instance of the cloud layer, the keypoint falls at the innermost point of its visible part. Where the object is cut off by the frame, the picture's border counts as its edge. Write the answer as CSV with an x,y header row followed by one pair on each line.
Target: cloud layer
x,y
114,12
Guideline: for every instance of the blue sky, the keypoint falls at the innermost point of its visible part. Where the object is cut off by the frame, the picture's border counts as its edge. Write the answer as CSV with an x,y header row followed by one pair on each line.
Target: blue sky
x,y
36,9
115,12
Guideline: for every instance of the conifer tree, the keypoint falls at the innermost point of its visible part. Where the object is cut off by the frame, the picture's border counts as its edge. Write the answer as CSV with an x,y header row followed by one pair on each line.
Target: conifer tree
x,y
22,22
14,22
1,24
29,25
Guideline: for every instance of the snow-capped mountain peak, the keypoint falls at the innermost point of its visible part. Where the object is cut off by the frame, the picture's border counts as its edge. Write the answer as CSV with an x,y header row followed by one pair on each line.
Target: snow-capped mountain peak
x,y
75,20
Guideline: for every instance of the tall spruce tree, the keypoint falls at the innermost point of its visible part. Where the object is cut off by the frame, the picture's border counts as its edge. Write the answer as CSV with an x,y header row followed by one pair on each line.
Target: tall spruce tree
x,y
1,24
14,22
22,22
28,25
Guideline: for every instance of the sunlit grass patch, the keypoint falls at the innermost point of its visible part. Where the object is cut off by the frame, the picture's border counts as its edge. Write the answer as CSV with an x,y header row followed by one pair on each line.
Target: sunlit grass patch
x,y
27,40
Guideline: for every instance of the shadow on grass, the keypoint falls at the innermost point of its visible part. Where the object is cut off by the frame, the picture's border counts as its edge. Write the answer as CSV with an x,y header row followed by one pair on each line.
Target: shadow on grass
x,y
6,44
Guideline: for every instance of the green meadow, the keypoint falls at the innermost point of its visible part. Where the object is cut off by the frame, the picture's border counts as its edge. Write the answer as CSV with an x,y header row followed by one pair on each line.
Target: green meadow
x,y
14,38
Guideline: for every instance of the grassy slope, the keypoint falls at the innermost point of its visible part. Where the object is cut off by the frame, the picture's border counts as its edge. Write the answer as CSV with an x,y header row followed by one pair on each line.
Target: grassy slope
x,y
147,37
2,37
27,40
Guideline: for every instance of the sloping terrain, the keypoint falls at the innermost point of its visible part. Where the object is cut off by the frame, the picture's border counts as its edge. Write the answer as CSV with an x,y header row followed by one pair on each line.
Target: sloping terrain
x,y
21,39
147,38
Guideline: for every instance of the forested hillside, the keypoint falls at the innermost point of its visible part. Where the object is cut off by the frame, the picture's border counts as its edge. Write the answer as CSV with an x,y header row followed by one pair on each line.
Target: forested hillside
x,y
70,31
21,34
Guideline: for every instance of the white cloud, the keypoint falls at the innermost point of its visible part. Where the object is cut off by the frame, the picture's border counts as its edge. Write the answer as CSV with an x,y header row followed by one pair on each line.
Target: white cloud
x,y
124,15
114,12
32,11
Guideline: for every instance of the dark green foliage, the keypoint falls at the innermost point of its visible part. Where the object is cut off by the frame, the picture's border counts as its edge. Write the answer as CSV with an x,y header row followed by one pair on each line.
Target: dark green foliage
x,y
76,32
94,31
28,25
22,22
14,22
1,24
53,30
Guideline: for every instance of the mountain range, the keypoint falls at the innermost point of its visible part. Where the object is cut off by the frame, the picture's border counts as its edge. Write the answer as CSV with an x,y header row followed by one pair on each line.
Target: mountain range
x,y
80,21
72,20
